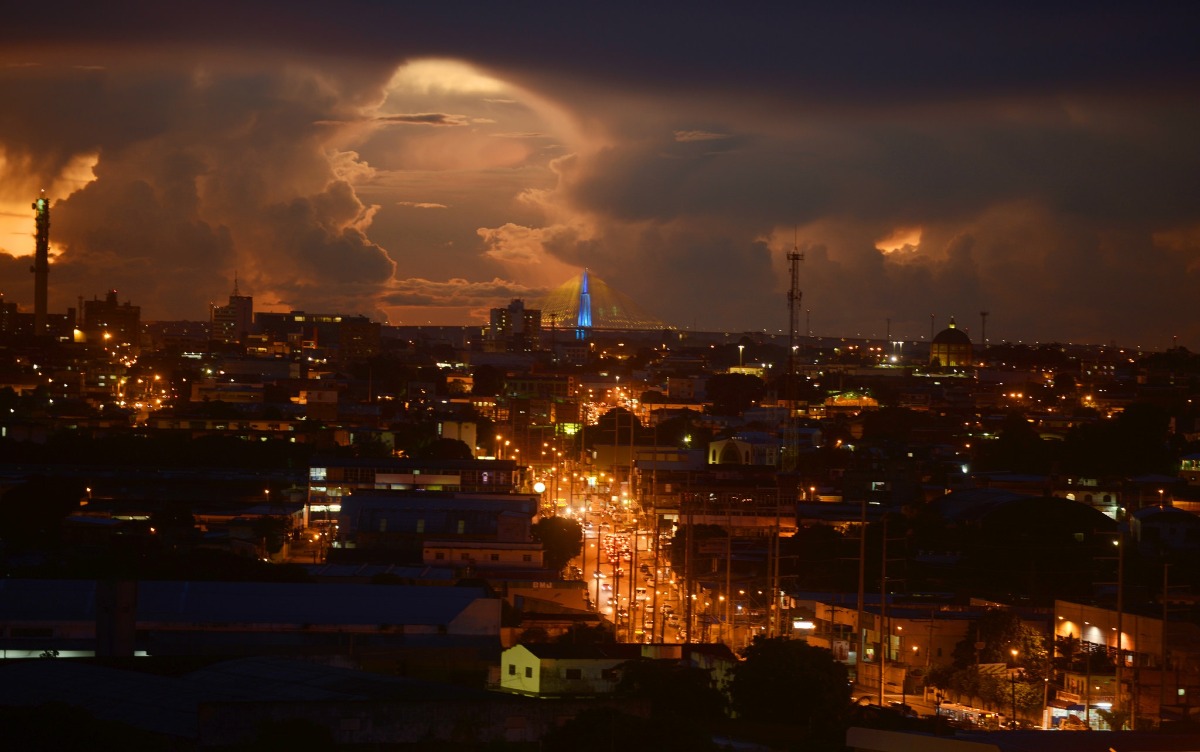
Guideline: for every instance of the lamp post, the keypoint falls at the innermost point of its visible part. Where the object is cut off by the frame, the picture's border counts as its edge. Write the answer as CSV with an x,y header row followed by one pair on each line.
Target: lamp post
x,y
1012,676
1045,703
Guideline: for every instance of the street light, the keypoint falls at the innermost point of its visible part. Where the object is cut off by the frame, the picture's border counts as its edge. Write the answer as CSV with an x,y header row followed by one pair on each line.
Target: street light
x,y
1013,679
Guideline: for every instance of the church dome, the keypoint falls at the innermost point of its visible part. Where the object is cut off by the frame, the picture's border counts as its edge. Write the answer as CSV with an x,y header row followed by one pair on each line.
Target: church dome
x,y
952,335
951,348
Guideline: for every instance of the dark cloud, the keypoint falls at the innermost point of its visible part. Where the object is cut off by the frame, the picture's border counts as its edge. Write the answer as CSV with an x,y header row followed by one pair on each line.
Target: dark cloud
x,y
1045,154
424,118
834,52
199,174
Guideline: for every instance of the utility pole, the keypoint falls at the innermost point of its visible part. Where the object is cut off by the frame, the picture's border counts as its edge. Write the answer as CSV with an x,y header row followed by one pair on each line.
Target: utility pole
x,y
862,578
1118,698
599,548
776,595
632,418
727,633
1162,664
687,561
885,637
657,570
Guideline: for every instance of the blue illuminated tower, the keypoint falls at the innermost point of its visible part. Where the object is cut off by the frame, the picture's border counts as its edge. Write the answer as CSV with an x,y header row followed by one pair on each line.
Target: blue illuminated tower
x,y
583,320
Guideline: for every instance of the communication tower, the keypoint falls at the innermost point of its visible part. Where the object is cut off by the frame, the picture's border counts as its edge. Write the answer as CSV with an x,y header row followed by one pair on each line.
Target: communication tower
x,y
41,262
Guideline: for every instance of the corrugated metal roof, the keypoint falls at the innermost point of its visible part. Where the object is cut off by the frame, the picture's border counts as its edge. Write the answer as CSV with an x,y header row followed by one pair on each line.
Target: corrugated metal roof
x,y
243,602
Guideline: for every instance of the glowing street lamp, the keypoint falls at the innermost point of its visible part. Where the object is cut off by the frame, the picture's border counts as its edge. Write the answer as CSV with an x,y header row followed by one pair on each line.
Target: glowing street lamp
x,y
1013,679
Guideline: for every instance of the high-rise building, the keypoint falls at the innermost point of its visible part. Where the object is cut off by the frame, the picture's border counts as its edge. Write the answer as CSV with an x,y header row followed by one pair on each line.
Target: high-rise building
x,y
109,322
345,337
8,316
233,321
514,329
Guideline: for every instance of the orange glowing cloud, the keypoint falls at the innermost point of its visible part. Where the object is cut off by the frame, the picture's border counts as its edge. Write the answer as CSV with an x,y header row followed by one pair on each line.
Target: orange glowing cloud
x,y
900,239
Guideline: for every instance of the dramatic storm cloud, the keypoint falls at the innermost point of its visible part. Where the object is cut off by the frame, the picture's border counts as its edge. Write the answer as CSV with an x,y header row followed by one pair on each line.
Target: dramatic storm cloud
x,y
424,164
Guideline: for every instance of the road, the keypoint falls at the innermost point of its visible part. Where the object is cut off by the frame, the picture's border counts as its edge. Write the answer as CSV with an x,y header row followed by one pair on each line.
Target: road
x,y
625,582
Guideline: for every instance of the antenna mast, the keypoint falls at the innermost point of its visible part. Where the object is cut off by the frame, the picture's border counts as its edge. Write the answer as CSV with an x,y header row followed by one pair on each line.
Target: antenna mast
x,y
794,295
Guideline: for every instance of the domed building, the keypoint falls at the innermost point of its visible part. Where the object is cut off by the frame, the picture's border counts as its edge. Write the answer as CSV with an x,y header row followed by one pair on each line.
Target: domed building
x,y
951,348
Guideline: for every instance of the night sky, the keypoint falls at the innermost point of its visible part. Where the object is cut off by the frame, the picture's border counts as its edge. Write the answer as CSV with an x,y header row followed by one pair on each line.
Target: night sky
x,y
423,163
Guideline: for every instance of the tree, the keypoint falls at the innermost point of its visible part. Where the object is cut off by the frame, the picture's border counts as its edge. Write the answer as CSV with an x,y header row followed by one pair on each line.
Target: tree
x,y
1116,719
790,681
299,734
582,634
487,380
613,427
445,449
1019,448
891,424
734,393
561,539
681,431
678,693
32,513
57,725
1001,631
607,729
272,532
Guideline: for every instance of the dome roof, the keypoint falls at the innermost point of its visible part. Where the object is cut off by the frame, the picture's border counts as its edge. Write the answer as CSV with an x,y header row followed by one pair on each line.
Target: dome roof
x,y
952,335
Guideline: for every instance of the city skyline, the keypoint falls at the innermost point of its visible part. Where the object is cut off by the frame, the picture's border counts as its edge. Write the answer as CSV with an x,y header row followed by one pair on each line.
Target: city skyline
x,y
423,165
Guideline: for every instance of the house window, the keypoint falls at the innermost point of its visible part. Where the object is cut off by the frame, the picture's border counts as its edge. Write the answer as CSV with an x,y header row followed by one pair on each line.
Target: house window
x,y
440,555
462,526
574,673
494,557
465,557
512,669
420,526
609,674
383,525
529,672
527,557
